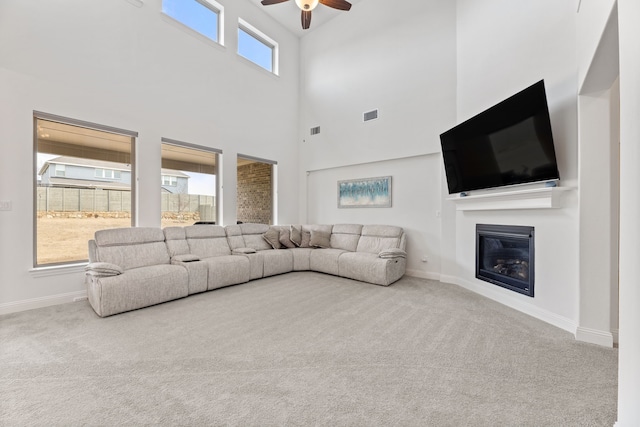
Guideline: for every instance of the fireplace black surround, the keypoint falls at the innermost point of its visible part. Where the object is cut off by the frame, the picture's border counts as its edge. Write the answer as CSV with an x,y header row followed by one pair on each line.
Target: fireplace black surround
x,y
505,256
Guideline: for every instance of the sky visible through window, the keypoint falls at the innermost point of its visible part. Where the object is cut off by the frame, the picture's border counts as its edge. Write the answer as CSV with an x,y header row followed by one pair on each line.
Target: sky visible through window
x,y
255,50
194,15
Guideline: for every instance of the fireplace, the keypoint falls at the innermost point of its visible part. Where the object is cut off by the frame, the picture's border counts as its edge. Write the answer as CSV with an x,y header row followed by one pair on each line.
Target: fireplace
x,y
505,256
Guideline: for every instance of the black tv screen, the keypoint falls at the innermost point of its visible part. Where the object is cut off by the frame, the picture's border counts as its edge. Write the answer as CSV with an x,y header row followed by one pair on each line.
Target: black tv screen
x,y
510,143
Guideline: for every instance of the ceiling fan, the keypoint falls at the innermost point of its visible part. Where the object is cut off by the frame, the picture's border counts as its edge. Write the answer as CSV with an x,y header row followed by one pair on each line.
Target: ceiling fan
x,y
308,5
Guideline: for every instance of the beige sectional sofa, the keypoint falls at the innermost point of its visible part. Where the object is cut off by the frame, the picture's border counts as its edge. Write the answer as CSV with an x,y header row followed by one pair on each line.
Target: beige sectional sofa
x,y
131,268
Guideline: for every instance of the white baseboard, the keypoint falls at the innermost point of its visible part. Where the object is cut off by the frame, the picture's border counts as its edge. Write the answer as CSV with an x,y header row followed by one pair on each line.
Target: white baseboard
x,y
594,336
423,274
524,307
615,333
30,304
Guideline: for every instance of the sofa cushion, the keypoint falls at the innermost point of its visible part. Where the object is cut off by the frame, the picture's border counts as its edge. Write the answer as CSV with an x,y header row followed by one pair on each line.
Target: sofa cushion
x,y
227,270
137,288
376,238
247,236
176,240
301,257
325,260
277,262
369,268
207,240
131,247
346,236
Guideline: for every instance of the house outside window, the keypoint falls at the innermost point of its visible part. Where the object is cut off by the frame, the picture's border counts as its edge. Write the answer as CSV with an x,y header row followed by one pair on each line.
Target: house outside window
x,y
189,183
169,180
71,202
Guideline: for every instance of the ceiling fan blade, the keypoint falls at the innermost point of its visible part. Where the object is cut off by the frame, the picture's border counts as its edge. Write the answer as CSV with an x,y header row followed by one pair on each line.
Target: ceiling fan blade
x,y
337,4
268,2
306,19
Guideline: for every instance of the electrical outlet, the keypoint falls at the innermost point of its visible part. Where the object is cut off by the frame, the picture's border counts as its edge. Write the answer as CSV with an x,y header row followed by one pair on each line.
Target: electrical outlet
x,y
5,205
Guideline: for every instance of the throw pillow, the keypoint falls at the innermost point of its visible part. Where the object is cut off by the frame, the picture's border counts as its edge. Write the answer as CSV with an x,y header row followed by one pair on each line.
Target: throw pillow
x,y
320,239
305,240
272,237
285,239
296,235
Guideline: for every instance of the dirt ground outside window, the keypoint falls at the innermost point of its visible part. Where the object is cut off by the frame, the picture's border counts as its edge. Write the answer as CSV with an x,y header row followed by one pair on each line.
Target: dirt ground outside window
x,y
66,239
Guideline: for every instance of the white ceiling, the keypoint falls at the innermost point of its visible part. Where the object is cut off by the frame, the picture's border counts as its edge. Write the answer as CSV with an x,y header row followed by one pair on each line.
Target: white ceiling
x,y
288,14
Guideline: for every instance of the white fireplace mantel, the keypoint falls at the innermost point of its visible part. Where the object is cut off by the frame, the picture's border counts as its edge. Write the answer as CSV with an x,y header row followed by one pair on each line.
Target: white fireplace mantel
x,y
536,198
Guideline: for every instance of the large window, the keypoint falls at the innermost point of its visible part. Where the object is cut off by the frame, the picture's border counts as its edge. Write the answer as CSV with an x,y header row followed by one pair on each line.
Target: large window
x,y
188,183
256,190
203,16
257,47
83,179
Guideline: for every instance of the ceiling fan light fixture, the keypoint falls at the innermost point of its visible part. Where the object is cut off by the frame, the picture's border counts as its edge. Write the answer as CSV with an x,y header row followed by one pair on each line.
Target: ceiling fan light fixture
x,y
307,5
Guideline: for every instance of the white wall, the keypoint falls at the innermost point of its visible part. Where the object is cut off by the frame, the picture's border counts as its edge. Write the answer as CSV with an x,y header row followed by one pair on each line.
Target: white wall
x,y
503,47
628,366
115,64
400,60
415,205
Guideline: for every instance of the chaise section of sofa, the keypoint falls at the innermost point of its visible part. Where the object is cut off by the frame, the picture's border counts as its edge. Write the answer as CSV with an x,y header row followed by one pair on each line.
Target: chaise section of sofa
x,y
379,258
130,268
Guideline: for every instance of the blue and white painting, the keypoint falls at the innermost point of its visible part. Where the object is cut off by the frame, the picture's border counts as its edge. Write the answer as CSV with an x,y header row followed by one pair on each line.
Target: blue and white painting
x,y
365,193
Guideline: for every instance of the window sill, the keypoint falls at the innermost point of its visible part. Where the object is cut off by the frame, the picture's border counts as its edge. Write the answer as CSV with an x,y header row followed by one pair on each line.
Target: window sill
x,y
57,270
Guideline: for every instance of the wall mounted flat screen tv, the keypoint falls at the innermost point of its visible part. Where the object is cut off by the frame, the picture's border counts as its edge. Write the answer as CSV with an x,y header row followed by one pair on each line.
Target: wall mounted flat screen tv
x,y
510,143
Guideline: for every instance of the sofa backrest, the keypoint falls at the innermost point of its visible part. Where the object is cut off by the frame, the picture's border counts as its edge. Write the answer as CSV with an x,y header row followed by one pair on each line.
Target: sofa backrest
x,y
207,241
376,238
247,236
130,247
346,236
176,239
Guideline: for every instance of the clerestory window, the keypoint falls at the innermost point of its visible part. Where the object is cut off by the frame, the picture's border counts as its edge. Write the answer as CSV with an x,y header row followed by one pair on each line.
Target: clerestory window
x,y
202,16
257,47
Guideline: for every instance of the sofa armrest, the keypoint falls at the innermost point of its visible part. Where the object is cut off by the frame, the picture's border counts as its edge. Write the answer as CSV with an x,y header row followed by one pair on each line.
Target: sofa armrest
x,y
103,269
392,253
184,258
243,251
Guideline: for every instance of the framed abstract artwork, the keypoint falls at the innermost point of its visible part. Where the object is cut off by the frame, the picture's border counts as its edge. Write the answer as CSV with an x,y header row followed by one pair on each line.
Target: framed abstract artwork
x,y
365,193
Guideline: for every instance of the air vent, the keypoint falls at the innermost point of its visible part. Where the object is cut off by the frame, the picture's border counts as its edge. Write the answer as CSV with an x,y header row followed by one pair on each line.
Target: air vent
x,y
370,115
315,130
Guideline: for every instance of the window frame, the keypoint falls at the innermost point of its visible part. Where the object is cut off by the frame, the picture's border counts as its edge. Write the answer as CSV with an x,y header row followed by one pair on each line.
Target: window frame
x,y
39,115
264,39
169,180
218,170
213,6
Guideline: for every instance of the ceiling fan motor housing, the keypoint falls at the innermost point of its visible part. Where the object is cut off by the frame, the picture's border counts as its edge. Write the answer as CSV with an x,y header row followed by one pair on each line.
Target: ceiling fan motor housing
x,y
307,4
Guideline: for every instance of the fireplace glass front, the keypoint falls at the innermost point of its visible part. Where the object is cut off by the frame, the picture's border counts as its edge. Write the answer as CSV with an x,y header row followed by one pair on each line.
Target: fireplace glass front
x,y
505,256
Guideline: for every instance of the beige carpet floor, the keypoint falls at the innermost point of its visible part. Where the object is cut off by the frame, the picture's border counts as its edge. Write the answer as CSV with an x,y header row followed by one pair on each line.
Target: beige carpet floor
x,y
303,349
